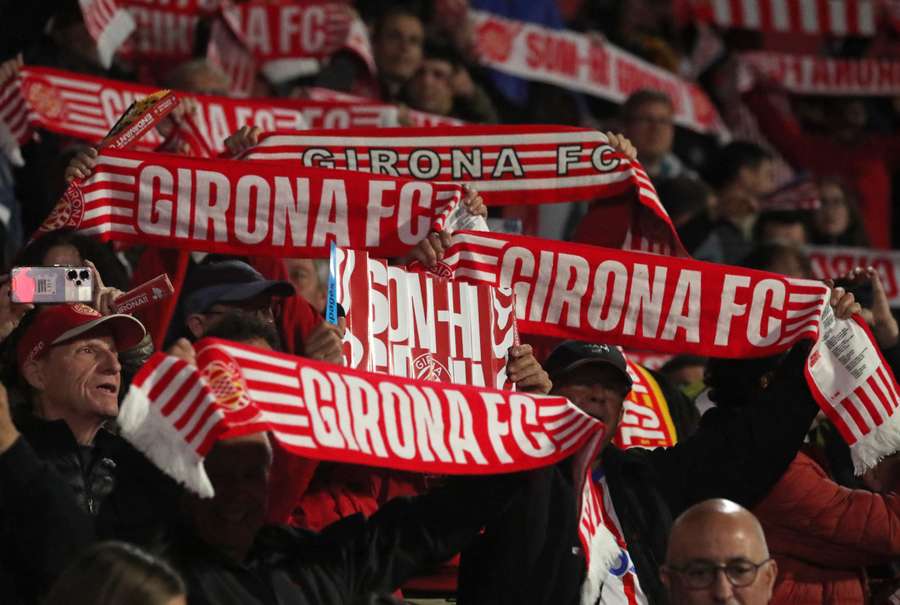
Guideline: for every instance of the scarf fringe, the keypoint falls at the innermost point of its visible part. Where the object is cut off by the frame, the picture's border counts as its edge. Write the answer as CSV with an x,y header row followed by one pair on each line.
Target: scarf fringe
x,y
880,442
156,437
113,36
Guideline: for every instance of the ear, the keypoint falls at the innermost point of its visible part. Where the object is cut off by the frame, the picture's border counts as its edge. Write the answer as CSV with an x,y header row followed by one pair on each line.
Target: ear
x,y
33,371
196,323
770,574
665,578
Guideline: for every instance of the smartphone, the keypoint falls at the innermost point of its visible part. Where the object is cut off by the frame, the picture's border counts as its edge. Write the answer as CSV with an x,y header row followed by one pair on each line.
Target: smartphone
x,y
861,292
51,285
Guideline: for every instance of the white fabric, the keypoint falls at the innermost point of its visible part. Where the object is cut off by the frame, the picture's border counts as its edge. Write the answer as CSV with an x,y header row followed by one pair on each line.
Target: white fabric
x,y
614,587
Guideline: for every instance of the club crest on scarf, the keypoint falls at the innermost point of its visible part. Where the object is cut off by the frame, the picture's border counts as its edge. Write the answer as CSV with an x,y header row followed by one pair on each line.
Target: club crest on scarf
x,y
67,213
45,99
495,40
227,385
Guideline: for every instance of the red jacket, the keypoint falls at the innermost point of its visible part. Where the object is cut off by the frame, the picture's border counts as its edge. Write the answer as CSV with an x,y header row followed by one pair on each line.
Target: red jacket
x,y
822,535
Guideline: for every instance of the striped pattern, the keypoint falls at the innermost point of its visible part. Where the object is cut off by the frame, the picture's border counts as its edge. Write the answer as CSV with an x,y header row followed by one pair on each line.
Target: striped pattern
x,y
511,165
814,17
177,392
267,394
109,26
227,53
110,198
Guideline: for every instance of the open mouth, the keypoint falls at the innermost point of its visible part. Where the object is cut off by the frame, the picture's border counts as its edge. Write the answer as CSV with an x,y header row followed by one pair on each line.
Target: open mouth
x,y
110,388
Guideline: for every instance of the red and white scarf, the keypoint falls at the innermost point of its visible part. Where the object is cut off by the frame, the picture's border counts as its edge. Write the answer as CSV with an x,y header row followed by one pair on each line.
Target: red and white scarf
x,y
175,413
108,24
416,325
86,107
814,17
815,75
508,164
586,64
646,421
232,207
681,305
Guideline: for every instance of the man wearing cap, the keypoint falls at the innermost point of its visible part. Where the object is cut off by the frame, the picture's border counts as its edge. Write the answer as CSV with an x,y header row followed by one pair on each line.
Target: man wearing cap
x,y
215,289
735,454
68,359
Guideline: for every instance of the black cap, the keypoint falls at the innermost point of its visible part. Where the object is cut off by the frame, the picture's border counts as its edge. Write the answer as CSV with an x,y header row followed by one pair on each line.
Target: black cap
x,y
227,282
573,354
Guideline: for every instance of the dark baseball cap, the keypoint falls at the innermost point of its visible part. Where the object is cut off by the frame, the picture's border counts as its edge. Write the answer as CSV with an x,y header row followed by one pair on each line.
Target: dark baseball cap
x,y
230,281
573,354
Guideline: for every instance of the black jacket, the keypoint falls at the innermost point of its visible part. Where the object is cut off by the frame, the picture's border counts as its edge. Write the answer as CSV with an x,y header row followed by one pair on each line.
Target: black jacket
x,y
533,556
70,496
352,558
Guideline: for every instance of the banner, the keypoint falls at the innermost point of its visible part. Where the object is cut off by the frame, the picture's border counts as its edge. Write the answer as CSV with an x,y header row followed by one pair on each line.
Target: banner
x,y
287,30
646,421
812,17
165,29
244,208
834,262
86,107
685,306
586,64
815,75
508,164
415,325
327,412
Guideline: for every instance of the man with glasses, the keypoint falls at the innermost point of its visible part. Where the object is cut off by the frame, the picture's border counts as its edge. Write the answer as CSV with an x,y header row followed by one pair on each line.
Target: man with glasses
x,y
717,554
648,120
735,453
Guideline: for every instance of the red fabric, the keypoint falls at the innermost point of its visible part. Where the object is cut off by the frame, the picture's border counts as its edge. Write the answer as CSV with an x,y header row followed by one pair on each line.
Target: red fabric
x,y
342,490
152,262
822,534
298,317
866,165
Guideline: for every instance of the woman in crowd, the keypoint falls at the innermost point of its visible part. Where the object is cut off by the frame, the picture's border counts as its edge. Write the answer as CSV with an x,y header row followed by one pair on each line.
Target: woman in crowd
x,y
116,573
837,222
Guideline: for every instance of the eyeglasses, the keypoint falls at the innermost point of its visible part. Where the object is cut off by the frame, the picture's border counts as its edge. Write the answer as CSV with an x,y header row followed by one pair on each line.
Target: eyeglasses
x,y
703,575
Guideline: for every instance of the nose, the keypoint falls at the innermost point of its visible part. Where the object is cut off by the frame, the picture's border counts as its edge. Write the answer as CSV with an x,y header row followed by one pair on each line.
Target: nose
x,y
723,591
109,362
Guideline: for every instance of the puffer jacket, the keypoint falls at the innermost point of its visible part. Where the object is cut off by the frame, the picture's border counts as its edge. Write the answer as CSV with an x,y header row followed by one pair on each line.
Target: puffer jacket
x,y
822,535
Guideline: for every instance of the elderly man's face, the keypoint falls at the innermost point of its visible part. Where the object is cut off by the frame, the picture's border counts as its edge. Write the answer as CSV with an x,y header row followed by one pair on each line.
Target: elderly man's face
x,y
710,562
239,472
599,390
79,378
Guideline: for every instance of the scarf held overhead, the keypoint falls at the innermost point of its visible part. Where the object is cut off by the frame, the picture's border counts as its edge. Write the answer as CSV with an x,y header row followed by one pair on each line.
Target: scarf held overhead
x,y
681,305
328,412
508,164
414,324
587,64
243,208
86,107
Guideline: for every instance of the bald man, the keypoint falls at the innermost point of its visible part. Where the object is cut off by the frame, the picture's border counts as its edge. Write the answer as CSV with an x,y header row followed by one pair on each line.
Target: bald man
x,y
717,554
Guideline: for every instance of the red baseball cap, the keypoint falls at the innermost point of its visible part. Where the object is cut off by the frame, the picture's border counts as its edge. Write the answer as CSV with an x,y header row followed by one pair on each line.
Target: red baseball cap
x,y
59,323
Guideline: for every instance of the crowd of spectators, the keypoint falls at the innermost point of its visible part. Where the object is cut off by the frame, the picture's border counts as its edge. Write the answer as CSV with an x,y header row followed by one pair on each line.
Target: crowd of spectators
x,y
756,502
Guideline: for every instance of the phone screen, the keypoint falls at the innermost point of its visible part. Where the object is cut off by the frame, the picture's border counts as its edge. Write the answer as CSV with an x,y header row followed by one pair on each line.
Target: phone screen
x,y
51,285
